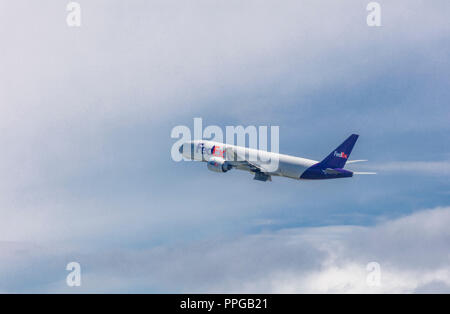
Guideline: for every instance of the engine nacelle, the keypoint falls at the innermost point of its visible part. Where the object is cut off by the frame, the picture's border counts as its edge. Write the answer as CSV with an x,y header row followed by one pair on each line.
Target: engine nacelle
x,y
218,164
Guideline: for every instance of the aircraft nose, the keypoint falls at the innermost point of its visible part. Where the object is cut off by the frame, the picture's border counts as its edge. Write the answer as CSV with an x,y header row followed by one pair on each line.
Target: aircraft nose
x,y
180,149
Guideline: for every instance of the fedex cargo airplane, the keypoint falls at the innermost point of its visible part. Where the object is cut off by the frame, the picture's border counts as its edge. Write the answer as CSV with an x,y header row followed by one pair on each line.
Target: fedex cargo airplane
x,y
224,157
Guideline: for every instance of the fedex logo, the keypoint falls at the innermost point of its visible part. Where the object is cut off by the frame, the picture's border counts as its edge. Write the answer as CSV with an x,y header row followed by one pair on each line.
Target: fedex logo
x,y
341,155
218,151
214,151
201,148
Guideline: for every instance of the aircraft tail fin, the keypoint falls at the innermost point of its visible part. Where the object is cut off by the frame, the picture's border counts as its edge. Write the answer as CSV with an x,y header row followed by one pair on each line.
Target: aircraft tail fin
x,y
338,157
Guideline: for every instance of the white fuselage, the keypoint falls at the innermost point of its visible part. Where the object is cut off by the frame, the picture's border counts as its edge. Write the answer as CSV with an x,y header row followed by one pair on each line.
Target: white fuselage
x,y
287,166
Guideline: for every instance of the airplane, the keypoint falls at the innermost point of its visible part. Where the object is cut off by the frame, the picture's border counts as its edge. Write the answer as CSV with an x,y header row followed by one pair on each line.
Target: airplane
x,y
222,157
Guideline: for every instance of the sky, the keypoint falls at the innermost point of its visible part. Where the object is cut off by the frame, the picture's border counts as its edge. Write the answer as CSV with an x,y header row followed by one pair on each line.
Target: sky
x,y
87,175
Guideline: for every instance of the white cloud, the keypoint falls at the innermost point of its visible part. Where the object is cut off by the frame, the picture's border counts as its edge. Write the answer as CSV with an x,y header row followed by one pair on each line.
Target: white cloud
x,y
412,252
66,94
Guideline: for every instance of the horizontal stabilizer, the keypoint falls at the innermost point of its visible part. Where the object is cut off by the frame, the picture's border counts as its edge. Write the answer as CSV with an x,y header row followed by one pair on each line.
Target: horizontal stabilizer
x,y
355,161
364,173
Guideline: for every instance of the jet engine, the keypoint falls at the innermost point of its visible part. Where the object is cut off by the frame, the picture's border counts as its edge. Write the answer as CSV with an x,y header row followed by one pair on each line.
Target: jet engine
x,y
217,164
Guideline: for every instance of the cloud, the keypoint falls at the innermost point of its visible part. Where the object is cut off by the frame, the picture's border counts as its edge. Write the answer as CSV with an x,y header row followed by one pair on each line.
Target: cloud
x,y
86,116
434,168
87,113
412,252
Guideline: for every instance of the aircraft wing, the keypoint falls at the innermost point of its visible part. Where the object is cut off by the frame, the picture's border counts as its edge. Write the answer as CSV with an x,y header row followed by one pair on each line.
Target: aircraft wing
x,y
240,162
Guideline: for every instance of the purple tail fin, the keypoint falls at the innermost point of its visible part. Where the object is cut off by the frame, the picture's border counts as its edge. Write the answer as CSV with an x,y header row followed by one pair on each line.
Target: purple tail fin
x,y
339,156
